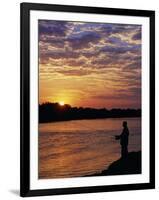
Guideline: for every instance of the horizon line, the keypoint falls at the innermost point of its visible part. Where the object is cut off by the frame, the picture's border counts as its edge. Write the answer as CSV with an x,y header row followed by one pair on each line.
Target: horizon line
x,y
126,108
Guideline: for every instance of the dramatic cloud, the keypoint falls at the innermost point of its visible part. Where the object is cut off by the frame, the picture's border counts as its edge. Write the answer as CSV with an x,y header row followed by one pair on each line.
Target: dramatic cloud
x,y
101,61
58,28
137,36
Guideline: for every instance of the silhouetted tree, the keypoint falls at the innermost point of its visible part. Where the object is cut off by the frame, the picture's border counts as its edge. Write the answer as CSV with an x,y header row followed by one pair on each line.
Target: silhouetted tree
x,y
49,112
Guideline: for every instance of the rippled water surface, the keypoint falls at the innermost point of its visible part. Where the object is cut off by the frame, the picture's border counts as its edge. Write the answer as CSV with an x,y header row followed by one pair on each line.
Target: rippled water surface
x,y
82,147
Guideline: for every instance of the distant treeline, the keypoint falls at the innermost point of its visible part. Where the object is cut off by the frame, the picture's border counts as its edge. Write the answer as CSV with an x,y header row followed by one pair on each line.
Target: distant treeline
x,y
49,112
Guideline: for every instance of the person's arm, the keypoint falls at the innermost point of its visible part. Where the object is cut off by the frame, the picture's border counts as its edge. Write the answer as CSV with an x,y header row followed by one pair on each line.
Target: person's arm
x,y
117,137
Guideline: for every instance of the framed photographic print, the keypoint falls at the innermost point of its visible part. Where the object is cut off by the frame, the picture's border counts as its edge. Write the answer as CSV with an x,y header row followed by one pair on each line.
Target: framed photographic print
x,y
87,99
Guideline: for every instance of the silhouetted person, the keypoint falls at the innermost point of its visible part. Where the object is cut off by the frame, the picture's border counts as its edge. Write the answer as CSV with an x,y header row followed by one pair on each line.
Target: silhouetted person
x,y
124,139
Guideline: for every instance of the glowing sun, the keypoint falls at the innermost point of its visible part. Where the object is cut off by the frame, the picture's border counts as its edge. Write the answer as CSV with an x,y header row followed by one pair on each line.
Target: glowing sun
x,y
61,103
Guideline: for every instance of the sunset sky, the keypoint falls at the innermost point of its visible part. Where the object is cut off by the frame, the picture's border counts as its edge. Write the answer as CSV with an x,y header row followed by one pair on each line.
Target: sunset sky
x,y
90,64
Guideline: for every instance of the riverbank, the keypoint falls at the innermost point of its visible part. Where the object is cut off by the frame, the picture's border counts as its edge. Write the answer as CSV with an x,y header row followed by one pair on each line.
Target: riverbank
x,y
130,165
54,112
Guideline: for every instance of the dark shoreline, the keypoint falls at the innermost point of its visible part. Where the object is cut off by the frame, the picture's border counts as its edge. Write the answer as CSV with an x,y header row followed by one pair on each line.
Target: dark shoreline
x,y
53,112
130,165
87,119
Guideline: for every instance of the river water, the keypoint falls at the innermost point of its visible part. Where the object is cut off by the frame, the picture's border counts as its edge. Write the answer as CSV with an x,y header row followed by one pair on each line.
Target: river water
x,y
82,147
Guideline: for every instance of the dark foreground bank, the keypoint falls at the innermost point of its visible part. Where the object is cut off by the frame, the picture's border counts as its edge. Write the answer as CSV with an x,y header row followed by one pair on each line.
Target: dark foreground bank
x,y
130,165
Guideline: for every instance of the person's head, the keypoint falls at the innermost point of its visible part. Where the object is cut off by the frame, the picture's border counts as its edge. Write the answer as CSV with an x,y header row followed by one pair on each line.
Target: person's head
x,y
124,124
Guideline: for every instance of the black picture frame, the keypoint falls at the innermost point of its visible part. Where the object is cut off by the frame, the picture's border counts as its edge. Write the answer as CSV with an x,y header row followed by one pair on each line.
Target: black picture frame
x,y
25,9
